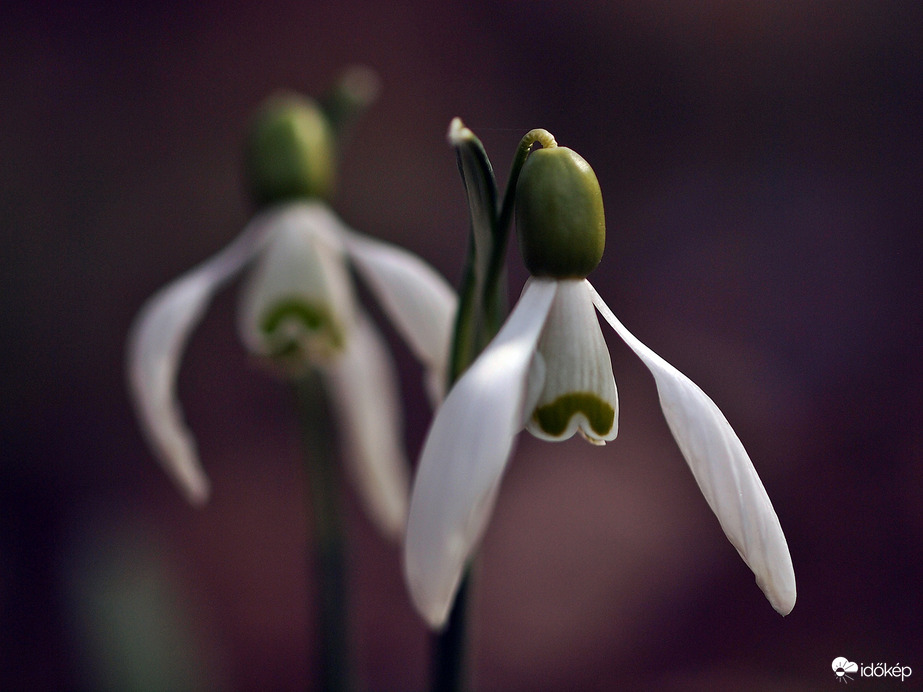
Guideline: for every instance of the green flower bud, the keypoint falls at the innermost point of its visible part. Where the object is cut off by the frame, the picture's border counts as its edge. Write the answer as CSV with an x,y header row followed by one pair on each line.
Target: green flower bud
x,y
559,214
290,151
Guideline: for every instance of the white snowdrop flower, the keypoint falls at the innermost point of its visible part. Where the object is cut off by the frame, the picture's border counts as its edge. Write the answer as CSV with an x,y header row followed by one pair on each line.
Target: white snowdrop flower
x,y
299,309
548,371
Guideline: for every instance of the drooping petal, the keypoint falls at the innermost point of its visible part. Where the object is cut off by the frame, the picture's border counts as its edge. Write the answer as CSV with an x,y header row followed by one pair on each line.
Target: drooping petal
x,y
723,471
420,302
579,388
155,346
464,456
363,387
298,303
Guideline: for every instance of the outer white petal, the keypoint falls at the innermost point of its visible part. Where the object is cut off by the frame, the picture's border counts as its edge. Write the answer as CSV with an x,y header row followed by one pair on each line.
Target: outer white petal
x,y
363,387
723,471
155,345
420,302
579,378
464,456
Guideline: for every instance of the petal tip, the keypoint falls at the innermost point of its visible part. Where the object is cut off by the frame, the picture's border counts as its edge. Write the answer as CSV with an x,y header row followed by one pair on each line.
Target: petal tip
x,y
195,487
783,603
392,524
199,495
781,593
434,611
436,620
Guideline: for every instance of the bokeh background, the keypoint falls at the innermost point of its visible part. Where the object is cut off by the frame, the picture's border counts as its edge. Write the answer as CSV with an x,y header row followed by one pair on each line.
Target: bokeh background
x,y
761,169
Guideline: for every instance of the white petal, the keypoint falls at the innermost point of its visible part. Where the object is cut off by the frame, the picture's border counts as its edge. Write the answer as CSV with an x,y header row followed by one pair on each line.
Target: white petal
x,y
418,300
302,273
155,346
723,471
579,389
464,456
363,387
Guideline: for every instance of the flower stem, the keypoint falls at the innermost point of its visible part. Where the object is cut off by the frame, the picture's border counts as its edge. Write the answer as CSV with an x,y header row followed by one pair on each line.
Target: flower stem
x,y
539,136
494,303
323,493
450,645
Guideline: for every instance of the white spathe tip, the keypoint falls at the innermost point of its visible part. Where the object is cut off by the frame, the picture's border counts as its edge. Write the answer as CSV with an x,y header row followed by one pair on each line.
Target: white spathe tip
x,y
458,133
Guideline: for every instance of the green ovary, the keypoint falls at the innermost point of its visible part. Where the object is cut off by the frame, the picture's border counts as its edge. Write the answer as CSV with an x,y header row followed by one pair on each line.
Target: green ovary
x,y
290,151
316,322
559,214
553,418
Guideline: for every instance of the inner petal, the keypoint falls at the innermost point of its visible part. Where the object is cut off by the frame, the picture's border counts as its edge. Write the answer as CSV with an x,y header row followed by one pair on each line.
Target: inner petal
x,y
298,305
579,393
297,330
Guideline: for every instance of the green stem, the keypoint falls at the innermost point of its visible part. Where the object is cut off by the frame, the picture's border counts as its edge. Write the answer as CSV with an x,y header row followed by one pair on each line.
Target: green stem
x,y
543,137
450,645
322,479
463,347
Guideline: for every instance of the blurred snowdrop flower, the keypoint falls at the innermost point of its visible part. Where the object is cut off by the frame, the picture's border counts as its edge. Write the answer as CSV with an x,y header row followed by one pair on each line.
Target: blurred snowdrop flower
x,y
299,310
548,371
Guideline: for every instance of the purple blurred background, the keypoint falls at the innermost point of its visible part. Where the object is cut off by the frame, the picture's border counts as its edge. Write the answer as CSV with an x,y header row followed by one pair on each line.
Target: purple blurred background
x,y
761,169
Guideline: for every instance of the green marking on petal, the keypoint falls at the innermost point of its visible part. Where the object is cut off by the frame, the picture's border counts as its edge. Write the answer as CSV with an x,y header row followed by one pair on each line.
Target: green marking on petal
x,y
553,418
289,323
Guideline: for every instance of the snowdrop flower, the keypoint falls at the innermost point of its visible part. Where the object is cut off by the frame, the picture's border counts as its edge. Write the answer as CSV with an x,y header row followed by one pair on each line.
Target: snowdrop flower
x,y
299,310
548,371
